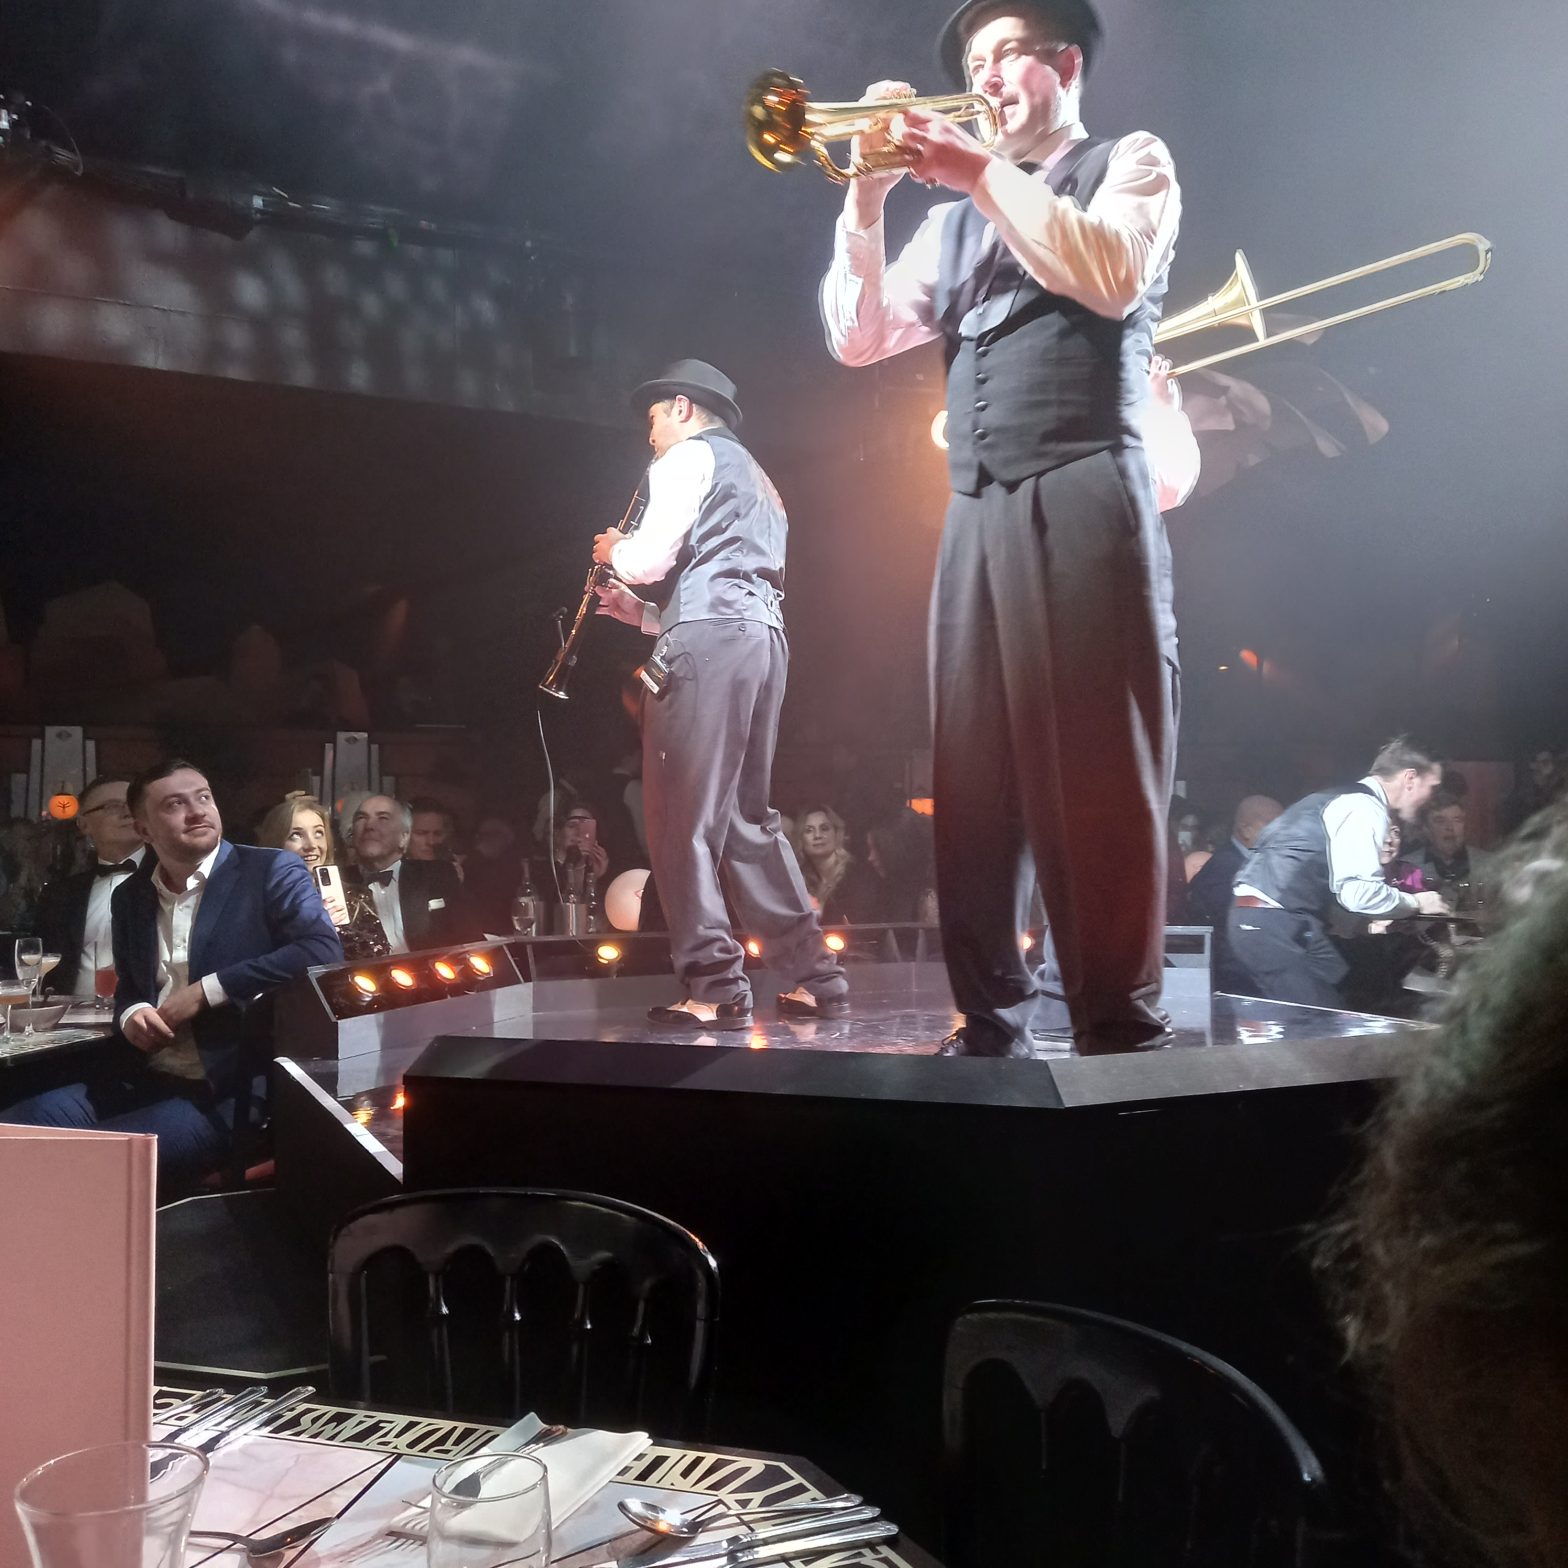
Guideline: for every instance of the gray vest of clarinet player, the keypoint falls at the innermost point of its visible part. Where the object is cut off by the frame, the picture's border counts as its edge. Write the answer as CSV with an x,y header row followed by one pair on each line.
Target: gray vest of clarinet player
x,y
1289,862
1035,381
731,567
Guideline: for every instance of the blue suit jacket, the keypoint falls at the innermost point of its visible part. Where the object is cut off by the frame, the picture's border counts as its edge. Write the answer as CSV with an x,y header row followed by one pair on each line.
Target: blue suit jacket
x,y
261,922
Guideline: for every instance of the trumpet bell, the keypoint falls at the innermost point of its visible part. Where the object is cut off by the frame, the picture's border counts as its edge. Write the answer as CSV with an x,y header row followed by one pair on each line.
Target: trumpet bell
x,y
776,110
783,126
1236,304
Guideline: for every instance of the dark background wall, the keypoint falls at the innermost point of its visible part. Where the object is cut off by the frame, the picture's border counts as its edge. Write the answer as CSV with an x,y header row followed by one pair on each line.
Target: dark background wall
x,y
1416,583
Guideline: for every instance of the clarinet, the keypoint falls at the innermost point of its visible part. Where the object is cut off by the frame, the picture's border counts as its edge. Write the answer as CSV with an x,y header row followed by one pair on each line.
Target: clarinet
x,y
555,678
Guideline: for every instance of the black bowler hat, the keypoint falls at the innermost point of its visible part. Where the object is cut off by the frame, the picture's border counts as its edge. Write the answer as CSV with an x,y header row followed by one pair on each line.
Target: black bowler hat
x,y
1073,22
696,379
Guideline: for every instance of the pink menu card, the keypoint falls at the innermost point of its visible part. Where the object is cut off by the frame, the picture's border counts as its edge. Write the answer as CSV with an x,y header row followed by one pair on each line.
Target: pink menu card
x,y
76,1296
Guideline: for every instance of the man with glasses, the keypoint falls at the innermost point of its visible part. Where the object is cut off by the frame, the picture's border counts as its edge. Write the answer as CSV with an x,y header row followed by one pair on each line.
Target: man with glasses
x,y
1053,643
73,911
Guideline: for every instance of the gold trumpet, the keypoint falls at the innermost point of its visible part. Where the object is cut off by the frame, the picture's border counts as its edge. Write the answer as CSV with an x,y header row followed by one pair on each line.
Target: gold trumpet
x,y
783,127
1237,303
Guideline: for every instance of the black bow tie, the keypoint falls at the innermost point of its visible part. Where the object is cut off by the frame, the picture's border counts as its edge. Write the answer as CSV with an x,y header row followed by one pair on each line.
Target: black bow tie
x,y
381,878
104,869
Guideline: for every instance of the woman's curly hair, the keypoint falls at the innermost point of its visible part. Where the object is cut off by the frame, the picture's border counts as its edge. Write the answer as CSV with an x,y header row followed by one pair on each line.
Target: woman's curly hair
x,y
1448,1264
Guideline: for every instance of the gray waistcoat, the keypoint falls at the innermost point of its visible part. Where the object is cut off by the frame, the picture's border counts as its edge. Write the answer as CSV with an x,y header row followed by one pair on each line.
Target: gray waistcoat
x,y
1289,862
731,567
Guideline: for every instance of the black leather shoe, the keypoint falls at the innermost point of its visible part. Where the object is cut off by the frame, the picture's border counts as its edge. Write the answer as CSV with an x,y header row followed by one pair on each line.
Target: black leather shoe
x,y
1123,1045
959,1043
817,1007
727,1015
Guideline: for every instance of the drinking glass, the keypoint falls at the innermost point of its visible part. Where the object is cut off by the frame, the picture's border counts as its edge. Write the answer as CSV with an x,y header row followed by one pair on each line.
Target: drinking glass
x,y
104,977
123,1505
51,962
13,993
29,965
488,1510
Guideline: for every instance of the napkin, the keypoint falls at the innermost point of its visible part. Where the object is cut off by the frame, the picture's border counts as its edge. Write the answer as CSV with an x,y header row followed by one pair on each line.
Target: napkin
x,y
576,1466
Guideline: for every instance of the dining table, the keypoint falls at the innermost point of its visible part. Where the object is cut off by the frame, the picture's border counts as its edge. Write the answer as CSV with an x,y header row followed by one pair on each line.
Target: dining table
x,y
321,1457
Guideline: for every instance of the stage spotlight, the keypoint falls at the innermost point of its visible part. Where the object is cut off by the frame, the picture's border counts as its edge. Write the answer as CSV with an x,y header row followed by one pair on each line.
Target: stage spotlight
x,y
366,985
1025,941
445,970
754,947
403,979
939,431
399,1100
607,953
481,965
834,942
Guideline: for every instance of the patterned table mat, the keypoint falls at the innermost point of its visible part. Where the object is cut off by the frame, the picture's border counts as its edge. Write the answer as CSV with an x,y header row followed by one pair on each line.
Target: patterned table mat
x,y
743,1480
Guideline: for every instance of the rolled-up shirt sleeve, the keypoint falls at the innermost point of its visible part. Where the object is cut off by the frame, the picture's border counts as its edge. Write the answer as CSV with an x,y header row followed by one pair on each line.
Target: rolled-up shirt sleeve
x,y
1357,826
1105,255
871,310
677,482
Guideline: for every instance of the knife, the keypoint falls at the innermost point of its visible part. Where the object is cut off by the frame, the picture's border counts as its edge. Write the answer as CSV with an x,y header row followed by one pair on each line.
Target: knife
x,y
223,1408
839,1539
721,1547
256,1418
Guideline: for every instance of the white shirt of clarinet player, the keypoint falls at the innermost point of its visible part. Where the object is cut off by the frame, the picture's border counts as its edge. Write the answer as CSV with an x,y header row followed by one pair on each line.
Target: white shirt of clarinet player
x,y
96,932
176,920
389,907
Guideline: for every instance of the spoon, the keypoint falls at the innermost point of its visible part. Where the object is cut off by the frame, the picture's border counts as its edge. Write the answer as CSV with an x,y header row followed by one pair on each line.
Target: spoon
x,y
255,1546
681,1524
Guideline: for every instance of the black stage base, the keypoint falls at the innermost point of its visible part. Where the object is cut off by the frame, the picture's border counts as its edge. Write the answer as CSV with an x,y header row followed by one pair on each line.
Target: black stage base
x,y
858,1190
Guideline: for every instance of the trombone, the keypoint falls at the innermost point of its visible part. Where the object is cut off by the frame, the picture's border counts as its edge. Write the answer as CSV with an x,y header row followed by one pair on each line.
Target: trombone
x,y
784,128
1237,303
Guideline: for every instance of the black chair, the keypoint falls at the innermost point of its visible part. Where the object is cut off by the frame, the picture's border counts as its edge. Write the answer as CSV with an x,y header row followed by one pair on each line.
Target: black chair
x,y
1074,1438
593,1309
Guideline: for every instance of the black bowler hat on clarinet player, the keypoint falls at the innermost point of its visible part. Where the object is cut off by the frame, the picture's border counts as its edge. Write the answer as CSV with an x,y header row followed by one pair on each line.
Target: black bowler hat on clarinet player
x,y
696,379
1071,21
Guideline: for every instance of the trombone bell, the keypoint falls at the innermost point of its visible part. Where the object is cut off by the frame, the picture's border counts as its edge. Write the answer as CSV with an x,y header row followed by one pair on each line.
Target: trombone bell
x,y
1236,304
784,128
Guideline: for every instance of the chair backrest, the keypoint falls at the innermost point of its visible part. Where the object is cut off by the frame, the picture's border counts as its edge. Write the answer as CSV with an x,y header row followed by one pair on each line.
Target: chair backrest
x,y
590,1307
1072,1437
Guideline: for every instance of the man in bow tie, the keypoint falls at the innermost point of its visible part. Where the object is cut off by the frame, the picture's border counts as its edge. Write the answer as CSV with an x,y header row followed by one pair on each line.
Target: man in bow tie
x,y
420,903
73,911
1053,643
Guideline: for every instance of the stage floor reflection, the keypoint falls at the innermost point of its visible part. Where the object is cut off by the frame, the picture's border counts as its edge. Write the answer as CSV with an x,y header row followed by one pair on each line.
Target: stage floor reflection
x,y
369,1088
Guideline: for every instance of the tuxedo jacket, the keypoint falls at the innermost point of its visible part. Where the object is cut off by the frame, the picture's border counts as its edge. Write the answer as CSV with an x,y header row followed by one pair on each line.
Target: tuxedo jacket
x,y
434,908
62,921
261,922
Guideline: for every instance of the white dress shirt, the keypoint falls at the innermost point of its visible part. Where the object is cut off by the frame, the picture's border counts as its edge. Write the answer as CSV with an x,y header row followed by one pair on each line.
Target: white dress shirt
x,y
1104,256
97,929
677,483
389,907
177,910
1357,830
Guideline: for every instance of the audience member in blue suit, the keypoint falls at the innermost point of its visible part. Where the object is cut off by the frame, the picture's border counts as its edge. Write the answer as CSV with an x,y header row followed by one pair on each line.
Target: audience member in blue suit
x,y
199,941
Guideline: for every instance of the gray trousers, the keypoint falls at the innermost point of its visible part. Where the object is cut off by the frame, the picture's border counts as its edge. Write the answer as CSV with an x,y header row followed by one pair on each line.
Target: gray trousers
x,y
707,773
1054,703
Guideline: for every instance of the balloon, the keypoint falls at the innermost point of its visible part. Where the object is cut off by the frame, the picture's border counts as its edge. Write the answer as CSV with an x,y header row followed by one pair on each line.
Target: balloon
x,y
623,900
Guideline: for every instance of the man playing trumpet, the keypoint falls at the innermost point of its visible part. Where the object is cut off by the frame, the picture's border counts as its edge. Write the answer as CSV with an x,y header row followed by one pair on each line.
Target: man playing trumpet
x,y
1053,643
